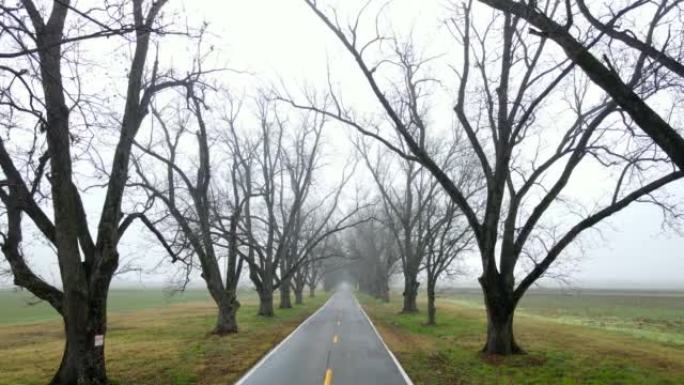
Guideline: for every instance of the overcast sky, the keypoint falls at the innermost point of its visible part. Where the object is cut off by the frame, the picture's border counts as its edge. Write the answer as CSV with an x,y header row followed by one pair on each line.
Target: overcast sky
x,y
281,39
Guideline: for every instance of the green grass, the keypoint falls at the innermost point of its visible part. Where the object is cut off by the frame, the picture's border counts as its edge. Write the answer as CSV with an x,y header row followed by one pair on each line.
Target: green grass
x,y
19,306
163,344
560,353
650,315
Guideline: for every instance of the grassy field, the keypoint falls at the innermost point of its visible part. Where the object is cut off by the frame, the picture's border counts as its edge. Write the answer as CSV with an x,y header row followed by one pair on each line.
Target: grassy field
x,y
21,307
649,315
152,339
586,338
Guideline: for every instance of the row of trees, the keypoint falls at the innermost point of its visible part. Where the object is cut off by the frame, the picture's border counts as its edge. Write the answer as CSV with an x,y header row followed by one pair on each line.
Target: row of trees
x,y
533,119
263,211
415,229
223,184
232,184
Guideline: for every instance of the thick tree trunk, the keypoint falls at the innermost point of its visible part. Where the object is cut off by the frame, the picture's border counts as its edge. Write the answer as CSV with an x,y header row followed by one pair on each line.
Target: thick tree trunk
x,y
312,291
431,309
83,362
500,310
226,322
226,303
299,296
410,294
500,338
285,299
266,303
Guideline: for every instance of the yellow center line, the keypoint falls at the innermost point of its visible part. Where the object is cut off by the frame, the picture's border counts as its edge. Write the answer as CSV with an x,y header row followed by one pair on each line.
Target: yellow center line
x,y
327,380
336,339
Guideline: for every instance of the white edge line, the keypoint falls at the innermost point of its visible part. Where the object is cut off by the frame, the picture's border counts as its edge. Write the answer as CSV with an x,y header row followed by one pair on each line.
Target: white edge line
x,y
273,350
396,362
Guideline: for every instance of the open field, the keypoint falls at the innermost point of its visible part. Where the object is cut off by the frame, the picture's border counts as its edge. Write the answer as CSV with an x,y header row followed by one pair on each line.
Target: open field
x,y
166,343
21,307
587,338
650,315
594,338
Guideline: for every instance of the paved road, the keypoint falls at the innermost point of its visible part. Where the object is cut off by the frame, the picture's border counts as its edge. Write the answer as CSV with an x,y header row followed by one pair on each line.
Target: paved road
x,y
336,346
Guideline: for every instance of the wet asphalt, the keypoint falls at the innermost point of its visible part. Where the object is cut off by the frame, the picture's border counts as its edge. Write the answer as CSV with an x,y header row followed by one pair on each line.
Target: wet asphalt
x,y
336,346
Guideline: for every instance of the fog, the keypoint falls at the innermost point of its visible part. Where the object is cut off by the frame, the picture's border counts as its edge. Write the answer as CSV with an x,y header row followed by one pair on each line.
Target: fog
x,y
281,41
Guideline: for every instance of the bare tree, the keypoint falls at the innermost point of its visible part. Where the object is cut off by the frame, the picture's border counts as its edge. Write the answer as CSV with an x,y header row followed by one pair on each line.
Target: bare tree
x,y
285,201
190,199
329,249
521,212
56,112
309,271
405,204
664,52
299,279
449,239
371,254
427,230
314,275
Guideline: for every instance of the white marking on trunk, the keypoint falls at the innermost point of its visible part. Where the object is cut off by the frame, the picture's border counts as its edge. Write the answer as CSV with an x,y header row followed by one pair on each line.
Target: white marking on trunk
x,y
99,340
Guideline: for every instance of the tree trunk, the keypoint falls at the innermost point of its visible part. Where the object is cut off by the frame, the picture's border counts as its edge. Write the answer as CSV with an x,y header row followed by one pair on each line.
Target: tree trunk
x,y
226,322
266,303
226,302
431,309
285,299
500,310
312,291
384,291
83,363
410,294
299,296
500,339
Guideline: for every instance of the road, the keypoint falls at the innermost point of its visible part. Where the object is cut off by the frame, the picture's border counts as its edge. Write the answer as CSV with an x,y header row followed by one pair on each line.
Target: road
x,y
337,345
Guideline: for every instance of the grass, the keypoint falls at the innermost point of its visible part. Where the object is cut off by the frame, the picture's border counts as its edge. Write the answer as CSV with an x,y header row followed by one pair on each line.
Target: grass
x,y
560,352
19,306
650,315
164,344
